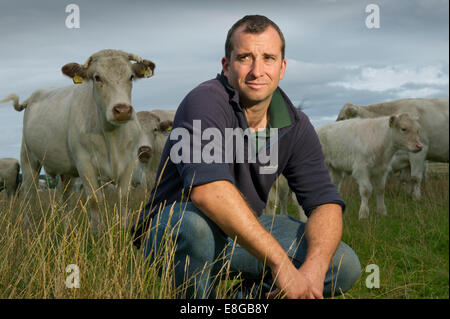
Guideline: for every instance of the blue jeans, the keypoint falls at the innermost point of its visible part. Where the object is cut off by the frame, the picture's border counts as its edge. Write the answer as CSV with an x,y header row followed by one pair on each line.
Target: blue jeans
x,y
203,253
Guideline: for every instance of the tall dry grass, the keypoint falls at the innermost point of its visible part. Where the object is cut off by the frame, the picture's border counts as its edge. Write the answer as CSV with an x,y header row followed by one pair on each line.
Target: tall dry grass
x,y
39,239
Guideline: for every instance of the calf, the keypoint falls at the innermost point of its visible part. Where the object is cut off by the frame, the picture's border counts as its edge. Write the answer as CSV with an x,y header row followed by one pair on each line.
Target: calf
x,y
364,149
156,126
433,117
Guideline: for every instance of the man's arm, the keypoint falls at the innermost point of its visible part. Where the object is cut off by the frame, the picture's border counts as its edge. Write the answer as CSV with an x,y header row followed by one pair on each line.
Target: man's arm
x,y
323,234
223,204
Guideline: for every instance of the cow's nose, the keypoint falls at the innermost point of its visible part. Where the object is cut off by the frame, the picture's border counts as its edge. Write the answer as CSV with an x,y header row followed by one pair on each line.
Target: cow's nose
x,y
419,147
144,154
122,112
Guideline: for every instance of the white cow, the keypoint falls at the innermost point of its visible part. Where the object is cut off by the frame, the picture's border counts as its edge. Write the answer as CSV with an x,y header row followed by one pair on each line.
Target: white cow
x,y
88,129
156,125
433,117
9,175
364,149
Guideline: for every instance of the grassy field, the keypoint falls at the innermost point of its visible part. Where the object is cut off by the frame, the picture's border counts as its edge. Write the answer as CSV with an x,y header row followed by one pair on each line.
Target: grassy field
x,y
410,246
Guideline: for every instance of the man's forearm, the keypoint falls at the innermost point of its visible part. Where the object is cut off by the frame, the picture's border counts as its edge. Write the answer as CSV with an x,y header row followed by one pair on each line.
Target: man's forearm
x,y
323,234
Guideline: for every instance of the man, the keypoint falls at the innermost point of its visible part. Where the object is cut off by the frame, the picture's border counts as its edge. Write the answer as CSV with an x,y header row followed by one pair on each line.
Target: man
x,y
218,204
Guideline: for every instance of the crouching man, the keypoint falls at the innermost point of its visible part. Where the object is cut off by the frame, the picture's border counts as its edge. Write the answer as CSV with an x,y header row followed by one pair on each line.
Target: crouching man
x,y
215,202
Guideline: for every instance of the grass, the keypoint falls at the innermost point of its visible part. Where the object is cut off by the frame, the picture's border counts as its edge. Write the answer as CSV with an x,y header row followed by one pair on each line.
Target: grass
x,y
410,247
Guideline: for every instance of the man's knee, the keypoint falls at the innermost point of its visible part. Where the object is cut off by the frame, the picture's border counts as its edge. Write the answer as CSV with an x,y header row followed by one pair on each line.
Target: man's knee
x,y
196,235
344,271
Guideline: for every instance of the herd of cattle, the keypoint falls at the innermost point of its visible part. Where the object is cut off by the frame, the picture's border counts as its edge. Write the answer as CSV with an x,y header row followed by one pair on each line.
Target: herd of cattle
x,y
90,130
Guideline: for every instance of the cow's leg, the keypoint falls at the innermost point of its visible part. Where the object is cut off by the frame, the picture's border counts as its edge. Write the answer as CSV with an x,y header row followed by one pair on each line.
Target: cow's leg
x,y
418,168
336,177
30,179
365,190
89,178
379,183
30,173
124,187
405,179
64,191
96,200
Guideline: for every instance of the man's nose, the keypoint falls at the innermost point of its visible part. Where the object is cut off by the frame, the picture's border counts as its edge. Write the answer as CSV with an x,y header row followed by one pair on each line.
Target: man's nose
x,y
257,68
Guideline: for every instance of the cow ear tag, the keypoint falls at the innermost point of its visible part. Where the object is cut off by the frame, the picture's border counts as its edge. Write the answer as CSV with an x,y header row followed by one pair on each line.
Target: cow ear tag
x,y
391,121
147,72
77,79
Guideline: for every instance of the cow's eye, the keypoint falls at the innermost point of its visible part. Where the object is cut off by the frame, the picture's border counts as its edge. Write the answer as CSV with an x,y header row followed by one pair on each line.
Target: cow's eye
x,y
403,129
97,78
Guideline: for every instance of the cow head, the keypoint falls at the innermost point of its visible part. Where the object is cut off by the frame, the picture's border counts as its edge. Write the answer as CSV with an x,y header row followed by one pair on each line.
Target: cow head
x,y
406,130
348,111
111,74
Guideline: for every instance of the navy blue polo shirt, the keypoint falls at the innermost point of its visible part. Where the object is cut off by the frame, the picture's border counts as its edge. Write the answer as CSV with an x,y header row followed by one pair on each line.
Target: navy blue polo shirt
x,y
214,105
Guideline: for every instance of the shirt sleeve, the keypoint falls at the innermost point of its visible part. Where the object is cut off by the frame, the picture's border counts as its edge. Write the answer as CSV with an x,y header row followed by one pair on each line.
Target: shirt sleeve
x,y
197,138
306,172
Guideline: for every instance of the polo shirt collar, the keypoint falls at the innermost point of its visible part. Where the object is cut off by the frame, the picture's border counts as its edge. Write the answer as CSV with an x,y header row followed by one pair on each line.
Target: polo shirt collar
x,y
278,110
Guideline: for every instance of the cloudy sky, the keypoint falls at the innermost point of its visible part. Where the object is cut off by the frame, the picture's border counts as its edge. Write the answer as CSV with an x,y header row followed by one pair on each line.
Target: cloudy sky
x,y
332,56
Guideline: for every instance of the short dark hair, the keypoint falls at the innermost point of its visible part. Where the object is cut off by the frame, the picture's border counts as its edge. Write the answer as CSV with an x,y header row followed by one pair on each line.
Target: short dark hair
x,y
254,24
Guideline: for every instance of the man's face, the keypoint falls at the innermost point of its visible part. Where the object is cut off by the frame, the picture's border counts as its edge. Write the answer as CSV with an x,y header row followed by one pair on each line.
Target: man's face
x,y
255,66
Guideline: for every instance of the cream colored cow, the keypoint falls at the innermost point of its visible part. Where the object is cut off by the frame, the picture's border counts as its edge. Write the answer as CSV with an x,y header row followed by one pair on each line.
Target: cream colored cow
x,y
364,149
433,117
88,129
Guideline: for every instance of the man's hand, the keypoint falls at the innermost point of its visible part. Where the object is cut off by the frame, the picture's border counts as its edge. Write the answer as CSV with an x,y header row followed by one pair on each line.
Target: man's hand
x,y
302,283
308,280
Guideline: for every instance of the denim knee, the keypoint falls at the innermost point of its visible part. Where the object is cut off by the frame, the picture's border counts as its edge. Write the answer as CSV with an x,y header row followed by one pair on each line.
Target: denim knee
x,y
196,237
344,272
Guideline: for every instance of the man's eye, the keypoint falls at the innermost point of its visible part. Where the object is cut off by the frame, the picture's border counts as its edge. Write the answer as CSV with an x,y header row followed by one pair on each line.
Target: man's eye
x,y
269,59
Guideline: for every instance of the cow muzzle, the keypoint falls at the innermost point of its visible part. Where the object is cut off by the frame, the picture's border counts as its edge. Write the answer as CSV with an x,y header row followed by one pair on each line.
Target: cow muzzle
x,y
418,147
144,154
122,112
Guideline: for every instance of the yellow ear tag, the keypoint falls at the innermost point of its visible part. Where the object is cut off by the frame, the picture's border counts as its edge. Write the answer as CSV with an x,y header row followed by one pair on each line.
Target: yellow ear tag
x,y
148,72
169,128
391,122
77,79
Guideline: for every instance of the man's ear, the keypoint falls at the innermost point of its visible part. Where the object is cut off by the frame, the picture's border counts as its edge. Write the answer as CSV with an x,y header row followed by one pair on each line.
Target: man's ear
x,y
283,69
75,71
146,68
225,65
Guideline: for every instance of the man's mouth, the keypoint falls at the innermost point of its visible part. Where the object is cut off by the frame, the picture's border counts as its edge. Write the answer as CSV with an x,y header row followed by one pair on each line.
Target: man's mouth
x,y
254,85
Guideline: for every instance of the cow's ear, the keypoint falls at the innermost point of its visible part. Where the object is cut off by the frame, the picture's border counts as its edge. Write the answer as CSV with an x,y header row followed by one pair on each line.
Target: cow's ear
x,y
350,111
75,71
392,120
165,125
146,68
